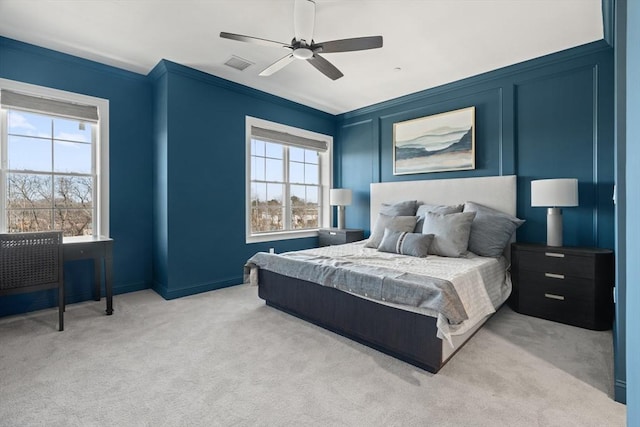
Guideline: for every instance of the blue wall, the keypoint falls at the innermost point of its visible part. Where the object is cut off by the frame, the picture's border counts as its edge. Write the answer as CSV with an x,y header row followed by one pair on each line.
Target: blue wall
x,y
200,186
545,118
130,151
177,171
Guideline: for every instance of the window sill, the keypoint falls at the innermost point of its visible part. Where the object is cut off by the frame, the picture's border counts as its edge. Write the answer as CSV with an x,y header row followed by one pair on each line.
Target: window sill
x,y
281,235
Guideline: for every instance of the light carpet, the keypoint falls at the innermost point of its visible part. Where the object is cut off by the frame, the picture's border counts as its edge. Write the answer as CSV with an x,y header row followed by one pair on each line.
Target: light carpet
x,y
224,358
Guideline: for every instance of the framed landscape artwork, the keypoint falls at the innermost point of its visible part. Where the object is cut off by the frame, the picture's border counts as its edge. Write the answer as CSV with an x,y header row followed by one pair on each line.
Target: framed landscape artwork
x,y
437,143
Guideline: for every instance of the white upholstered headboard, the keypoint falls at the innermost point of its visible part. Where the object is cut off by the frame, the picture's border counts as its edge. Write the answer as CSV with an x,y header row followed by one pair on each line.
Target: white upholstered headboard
x,y
498,192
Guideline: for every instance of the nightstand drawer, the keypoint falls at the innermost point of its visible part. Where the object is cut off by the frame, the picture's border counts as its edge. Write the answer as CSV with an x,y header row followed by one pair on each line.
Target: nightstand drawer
x,y
538,282
558,263
565,309
338,236
569,290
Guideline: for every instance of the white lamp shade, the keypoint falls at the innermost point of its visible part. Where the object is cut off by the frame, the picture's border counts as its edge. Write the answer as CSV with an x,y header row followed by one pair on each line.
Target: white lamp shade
x,y
339,197
554,192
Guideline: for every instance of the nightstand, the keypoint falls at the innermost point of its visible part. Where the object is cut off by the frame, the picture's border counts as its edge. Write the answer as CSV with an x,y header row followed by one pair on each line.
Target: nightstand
x,y
339,236
566,284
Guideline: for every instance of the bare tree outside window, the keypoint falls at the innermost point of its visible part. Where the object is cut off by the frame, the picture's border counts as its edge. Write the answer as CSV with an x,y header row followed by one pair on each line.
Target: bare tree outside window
x,y
49,184
285,187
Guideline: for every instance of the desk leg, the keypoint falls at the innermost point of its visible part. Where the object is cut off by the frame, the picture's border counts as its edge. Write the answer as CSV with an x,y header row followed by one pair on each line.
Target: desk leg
x,y
61,306
97,278
108,284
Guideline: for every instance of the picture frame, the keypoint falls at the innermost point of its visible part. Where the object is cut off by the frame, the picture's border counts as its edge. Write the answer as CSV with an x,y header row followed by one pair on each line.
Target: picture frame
x,y
436,143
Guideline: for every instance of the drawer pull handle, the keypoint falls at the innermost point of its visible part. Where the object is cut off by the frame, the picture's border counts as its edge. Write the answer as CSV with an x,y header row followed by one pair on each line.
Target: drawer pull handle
x,y
333,233
554,254
554,296
554,276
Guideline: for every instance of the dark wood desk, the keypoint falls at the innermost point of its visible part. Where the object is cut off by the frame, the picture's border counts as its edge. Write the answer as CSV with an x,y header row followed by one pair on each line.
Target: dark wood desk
x,y
99,249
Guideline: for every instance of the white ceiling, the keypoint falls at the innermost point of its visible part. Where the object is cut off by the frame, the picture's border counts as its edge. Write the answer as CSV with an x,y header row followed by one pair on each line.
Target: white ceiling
x,y
427,43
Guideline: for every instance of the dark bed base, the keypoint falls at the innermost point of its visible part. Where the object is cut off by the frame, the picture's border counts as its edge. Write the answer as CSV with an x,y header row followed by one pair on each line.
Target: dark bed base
x,y
405,335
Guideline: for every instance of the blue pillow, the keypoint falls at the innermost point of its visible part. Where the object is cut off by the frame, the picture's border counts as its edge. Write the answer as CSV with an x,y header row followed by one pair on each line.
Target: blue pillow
x,y
491,230
406,208
439,209
451,232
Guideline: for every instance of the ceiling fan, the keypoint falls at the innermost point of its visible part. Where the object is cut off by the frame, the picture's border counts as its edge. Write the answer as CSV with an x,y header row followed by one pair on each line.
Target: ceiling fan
x,y
303,47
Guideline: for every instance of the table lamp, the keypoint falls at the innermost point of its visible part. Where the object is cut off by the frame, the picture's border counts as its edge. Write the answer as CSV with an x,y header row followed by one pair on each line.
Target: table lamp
x,y
554,194
340,197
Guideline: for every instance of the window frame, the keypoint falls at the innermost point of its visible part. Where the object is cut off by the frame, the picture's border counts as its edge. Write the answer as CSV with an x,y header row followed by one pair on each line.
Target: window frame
x,y
100,156
325,180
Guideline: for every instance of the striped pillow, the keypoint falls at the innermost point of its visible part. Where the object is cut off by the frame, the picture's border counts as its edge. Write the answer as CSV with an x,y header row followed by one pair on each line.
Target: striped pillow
x,y
401,242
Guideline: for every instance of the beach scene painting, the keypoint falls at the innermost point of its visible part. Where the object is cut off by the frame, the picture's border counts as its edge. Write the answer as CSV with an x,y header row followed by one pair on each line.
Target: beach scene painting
x,y
437,143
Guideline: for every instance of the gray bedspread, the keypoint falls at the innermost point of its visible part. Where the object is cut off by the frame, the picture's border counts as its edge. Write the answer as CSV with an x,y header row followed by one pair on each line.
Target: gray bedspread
x,y
378,283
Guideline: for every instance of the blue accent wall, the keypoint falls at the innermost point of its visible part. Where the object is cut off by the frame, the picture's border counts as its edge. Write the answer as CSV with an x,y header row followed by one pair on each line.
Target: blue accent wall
x,y
200,155
160,179
545,118
550,117
130,152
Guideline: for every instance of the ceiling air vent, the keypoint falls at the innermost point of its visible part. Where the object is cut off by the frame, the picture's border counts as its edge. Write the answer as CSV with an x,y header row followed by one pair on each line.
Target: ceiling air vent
x,y
238,63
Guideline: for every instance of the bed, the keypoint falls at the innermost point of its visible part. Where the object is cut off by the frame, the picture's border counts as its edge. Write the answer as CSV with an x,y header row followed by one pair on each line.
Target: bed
x,y
362,311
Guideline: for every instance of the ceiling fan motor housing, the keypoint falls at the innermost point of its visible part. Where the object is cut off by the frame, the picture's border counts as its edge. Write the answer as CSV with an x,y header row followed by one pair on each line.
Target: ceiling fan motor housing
x,y
303,53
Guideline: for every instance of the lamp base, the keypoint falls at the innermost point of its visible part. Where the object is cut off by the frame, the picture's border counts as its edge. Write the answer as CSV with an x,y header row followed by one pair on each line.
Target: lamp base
x,y
554,227
341,217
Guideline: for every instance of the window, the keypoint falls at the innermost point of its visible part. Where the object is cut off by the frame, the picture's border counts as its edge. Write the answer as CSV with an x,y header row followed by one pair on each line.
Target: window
x,y
288,176
53,163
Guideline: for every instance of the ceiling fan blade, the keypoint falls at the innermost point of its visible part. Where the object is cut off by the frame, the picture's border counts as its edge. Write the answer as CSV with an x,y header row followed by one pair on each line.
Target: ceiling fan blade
x,y
254,40
348,45
304,19
277,66
325,67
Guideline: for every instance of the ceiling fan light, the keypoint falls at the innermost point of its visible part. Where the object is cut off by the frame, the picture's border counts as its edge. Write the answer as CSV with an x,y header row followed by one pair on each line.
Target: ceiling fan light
x,y
303,53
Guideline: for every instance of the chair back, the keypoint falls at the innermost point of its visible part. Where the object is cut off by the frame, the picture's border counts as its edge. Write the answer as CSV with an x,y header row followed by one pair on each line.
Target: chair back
x,y
30,260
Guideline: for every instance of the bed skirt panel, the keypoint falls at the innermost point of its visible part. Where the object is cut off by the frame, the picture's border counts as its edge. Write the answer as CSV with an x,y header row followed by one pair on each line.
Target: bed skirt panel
x,y
405,335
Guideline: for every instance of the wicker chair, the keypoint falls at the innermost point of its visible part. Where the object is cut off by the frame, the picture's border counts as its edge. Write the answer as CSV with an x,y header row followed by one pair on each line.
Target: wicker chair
x,y
31,262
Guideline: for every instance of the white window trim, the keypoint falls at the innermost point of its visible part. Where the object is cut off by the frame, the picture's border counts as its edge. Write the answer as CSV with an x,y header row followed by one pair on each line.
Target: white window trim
x,y
102,161
326,170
